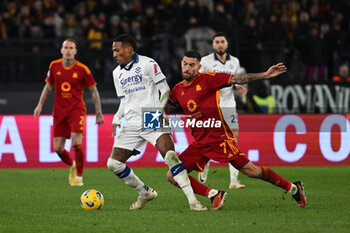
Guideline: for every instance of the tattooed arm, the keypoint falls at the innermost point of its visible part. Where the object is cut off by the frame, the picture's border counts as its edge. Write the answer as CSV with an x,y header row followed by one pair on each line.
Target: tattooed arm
x,y
272,72
97,102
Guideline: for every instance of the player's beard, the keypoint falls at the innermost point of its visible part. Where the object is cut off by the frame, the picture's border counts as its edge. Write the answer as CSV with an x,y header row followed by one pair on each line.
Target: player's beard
x,y
188,77
221,52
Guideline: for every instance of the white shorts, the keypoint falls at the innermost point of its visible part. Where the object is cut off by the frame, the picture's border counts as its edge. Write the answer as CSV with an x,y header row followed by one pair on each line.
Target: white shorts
x,y
136,139
230,117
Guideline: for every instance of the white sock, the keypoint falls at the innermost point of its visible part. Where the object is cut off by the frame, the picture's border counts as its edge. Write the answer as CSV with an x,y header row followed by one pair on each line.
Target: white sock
x,y
212,193
186,185
207,166
133,181
126,174
233,174
180,175
293,189
79,178
73,165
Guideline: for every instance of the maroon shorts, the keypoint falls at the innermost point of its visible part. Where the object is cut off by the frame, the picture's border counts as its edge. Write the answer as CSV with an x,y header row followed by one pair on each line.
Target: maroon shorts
x,y
63,126
195,157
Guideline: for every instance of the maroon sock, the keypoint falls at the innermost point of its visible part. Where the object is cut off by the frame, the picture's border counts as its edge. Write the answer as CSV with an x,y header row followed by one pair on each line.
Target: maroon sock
x,y
270,176
64,155
198,187
79,159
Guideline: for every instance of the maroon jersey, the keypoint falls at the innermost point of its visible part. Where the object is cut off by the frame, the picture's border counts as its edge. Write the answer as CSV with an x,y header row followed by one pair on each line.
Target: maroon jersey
x,y
200,101
69,85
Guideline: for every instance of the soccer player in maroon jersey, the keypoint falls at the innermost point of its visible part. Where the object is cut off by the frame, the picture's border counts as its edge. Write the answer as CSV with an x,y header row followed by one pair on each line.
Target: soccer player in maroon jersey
x,y
198,94
68,78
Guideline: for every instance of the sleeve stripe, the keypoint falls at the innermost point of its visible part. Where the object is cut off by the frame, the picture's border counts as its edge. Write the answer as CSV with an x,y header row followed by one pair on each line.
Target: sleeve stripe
x,y
160,81
121,97
92,85
87,70
229,79
55,61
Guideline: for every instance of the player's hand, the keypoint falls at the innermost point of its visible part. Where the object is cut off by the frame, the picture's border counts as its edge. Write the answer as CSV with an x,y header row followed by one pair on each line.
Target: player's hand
x,y
241,89
114,129
99,119
37,111
275,70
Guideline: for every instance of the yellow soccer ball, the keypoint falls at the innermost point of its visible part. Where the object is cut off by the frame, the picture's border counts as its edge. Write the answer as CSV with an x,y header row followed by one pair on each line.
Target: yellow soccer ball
x,y
91,200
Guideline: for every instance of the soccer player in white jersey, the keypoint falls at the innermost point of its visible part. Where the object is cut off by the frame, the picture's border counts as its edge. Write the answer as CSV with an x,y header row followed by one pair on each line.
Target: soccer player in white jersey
x,y
221,62
140,84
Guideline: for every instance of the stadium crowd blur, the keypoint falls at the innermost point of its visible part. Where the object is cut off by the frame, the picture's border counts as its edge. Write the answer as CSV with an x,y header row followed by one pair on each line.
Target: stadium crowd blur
x,y
311,36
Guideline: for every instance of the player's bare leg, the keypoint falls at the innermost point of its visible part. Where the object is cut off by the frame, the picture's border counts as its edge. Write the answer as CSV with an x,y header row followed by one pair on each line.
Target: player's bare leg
x,y
116,163
296,189
58,144
178,170
234,182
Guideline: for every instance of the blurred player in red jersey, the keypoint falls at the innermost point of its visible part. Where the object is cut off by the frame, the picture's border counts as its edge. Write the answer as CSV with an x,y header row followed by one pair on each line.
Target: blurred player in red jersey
x,y
68,77
199,96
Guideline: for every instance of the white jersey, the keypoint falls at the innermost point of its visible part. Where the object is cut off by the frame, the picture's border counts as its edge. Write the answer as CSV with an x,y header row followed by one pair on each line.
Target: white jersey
x,y
211,63
136,82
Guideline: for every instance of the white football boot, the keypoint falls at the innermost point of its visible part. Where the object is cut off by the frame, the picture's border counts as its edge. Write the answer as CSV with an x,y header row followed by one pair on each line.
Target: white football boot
x,y
236,185
197,206
143,199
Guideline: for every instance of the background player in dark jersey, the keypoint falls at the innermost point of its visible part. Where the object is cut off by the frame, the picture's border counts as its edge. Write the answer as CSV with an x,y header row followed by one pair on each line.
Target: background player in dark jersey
x,y
68,77
199,95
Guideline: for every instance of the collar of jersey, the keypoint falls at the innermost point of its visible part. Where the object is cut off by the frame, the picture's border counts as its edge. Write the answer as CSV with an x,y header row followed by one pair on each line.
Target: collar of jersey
x,y
129,66
188,84
228,57
67,67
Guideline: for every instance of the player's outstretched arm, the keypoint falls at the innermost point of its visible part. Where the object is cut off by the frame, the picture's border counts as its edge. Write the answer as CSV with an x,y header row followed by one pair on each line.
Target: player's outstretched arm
x,y
272,72
43,97
97,103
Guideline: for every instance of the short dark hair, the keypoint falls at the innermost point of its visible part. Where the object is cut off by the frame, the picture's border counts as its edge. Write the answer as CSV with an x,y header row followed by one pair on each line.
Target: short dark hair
x,y
126,39
220,34
193,54
70,39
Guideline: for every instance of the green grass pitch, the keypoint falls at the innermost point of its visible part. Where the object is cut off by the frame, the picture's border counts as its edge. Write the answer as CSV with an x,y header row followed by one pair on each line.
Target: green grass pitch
x,y
40,200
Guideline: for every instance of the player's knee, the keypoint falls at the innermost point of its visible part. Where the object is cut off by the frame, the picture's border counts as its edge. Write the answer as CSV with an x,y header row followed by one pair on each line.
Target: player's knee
x,y
235,133
171,179
59,149
164,144
110,164
77,147
115,166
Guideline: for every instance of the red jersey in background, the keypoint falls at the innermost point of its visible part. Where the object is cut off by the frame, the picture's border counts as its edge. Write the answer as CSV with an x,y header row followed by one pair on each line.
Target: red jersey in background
x,y
69,85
